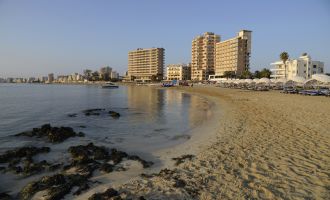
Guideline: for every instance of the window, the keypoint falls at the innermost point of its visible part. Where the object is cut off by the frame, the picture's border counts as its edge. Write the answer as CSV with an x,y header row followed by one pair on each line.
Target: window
x,y
314,66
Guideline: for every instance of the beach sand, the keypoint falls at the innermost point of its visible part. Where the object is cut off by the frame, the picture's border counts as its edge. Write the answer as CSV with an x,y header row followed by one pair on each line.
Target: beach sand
x,y
263,145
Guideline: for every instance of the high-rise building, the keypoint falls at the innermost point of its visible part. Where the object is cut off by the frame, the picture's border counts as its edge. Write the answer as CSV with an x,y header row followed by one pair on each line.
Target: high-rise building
x,y
233,55
146,64
50,78
304,66
178,72
203,55
105,73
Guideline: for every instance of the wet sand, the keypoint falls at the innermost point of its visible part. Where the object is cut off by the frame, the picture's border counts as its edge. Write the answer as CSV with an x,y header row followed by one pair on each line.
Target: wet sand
x,y
263,145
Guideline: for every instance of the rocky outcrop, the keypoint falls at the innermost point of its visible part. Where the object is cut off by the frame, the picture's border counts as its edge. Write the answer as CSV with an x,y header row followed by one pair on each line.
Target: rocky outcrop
x,y
52,134
20,161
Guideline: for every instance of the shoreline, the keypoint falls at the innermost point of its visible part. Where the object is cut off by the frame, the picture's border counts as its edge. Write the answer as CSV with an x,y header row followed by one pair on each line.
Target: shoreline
x,y
256,145
267,145
163,158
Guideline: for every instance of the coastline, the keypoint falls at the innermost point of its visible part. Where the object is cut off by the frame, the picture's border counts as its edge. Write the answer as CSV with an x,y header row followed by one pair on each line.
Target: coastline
x,y
263,148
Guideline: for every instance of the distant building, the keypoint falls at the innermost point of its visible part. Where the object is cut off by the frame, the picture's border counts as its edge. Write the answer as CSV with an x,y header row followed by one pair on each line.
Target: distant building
x,y
234,54
51,78
146,64
105,73
10,80
178,72
304,66
114,75
203,55
31,80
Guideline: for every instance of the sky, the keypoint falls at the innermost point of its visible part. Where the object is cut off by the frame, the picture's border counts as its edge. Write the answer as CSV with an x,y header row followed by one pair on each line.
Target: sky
x,y
38,37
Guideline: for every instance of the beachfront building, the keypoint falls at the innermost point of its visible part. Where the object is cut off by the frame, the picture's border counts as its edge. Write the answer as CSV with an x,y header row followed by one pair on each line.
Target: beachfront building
x,y
178,72
50,78
203,56
304,67
114,75
233,54
105,73
145,65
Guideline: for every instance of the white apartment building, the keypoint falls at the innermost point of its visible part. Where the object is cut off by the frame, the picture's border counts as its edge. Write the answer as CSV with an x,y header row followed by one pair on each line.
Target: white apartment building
x,y
304,66
178,72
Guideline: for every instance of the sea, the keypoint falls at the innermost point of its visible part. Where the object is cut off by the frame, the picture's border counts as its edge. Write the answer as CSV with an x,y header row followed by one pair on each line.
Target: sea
x,y
150,119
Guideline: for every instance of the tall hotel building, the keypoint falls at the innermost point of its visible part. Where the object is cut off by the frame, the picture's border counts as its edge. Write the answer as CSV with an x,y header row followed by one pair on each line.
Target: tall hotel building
x,y
203,56
233,54
145,65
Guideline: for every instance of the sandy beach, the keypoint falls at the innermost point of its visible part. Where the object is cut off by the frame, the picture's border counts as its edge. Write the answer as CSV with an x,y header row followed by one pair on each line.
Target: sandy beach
x,y
264,145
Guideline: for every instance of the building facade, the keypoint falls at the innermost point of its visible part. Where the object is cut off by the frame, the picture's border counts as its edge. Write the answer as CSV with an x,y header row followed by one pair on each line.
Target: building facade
x,y
304,66
234,54
178,72
203,56
105,73
50,78
145,65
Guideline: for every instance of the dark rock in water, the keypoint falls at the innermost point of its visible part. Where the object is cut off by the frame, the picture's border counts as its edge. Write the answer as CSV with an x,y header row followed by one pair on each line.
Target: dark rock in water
x,y
81,134
5,196
95,111
108,194
182,159
85,153
20,161
16,154
114,114
144,163
117,156
52,134
57,185
106,167
82,126
72,115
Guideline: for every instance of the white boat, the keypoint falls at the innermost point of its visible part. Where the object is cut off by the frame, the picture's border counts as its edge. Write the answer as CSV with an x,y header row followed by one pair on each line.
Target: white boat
x,y
109,85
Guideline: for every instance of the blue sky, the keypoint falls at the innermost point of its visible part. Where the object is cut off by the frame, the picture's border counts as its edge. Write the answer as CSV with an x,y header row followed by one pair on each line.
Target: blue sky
x,y
65,36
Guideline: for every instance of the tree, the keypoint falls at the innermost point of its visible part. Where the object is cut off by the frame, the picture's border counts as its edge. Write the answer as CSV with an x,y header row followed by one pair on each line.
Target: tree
x,y
265,73
246,74
257,74
284,56
88,74
95,76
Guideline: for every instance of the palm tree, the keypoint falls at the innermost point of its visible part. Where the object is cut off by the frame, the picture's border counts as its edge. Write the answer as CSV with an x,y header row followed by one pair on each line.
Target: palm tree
x,y
284,56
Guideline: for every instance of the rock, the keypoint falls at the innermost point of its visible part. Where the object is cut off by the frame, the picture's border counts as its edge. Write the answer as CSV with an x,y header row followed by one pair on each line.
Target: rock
x,y
117,156
72,115
106,167
95,111
114,114
109,193
179,183
144,163
183,158
81,134
20,160
82,126
16,154
57,186
5,196
52,134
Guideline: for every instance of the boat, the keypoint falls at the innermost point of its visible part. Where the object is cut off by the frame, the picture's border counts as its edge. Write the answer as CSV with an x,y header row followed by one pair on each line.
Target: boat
x,y
109,85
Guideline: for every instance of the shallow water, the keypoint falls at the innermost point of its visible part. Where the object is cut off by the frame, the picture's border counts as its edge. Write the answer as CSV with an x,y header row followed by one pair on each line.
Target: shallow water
x,y
150,119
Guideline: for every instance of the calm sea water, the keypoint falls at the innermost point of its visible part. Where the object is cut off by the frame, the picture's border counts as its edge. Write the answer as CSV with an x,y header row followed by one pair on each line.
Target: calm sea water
x,y
150,119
